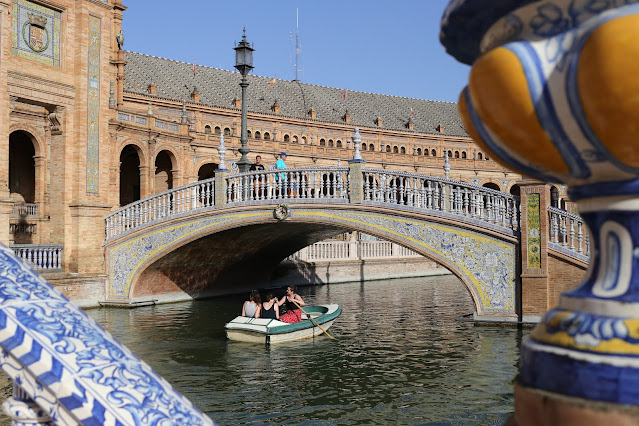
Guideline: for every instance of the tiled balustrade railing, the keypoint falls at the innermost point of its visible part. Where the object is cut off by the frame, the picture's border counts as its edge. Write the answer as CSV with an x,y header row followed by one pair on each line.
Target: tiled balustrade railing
x,y
67,370
428,194
568,233
40,256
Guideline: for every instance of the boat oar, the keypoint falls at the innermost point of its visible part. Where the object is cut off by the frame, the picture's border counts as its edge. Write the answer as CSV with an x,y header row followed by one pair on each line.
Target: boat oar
x,y
314,322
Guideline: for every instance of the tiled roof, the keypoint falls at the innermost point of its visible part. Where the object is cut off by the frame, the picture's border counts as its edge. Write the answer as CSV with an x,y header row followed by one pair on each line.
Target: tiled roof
x,y
174,80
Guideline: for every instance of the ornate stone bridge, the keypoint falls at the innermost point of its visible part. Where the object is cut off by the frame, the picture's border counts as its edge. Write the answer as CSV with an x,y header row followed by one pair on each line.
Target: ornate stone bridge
x,y
228,233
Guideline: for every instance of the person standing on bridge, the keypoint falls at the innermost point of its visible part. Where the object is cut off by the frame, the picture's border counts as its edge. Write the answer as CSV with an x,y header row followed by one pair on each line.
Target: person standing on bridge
x,y
258,189
280,178
293,302
252,307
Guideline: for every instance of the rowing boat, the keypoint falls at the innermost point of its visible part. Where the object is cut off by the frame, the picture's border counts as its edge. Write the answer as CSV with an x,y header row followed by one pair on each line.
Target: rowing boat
x,y
266,330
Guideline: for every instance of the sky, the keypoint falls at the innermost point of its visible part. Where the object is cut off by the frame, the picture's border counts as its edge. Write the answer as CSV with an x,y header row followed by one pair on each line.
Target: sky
x,y
386,47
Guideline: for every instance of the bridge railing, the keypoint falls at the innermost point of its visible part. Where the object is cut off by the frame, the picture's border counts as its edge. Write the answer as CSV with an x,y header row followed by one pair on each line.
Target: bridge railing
x,y
429,193
568,232
348,250
165,205
295,184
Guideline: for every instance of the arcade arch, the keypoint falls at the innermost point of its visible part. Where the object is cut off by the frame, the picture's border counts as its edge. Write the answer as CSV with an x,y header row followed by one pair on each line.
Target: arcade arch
x,y
163,171
22,167
129,175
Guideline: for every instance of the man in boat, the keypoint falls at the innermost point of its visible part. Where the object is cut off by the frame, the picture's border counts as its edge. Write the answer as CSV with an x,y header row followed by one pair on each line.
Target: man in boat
x,y
293,302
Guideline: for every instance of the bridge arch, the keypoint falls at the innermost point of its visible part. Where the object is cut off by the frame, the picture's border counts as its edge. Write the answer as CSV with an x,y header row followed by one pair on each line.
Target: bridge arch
x,y
155,258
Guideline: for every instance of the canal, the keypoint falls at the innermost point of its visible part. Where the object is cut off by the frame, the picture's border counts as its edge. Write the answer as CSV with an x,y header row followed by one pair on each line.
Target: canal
x,y
401,357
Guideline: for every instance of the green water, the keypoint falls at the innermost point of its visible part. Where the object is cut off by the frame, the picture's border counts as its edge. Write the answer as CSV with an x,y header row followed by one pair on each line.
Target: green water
x,y
400,358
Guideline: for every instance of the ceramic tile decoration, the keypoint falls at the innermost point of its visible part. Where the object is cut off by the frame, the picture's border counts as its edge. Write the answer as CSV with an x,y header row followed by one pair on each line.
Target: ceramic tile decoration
x,y
552,93
36,32
70,366
533,216
93,106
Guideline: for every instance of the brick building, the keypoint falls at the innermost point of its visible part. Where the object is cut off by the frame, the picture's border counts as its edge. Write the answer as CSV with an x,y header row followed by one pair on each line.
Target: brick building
x,y
88,127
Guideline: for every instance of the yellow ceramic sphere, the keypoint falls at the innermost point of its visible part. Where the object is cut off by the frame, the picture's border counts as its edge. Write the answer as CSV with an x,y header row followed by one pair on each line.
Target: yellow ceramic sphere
x,y
500,94
608,85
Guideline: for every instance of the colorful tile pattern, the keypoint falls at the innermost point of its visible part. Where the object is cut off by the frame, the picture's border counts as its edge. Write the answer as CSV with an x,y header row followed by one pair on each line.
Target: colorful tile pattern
x,y
73,369
486,264
36,32
533,216
93,107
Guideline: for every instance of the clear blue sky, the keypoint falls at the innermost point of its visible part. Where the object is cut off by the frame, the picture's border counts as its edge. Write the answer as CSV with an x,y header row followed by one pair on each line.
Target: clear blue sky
x,y
387,47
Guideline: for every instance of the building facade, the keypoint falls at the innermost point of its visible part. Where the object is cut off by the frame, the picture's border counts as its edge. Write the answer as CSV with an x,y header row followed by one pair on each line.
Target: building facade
x,y
87,127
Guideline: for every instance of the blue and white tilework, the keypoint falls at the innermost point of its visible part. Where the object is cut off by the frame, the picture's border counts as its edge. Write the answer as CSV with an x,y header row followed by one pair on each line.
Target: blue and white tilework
x,y
70,366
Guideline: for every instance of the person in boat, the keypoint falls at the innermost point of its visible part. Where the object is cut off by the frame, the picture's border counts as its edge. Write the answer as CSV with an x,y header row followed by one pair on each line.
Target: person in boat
x,y
252,307
270,308
293,312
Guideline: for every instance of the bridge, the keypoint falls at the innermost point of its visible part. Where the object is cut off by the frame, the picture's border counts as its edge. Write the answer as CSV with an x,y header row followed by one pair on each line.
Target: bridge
x,y
228,233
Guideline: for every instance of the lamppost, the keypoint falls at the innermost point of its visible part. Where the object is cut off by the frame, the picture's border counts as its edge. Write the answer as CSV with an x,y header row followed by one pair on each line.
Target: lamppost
x,y
244,64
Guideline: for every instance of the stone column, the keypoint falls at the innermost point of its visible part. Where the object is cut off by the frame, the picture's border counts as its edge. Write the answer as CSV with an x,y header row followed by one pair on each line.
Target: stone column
x,y
355,174
535,286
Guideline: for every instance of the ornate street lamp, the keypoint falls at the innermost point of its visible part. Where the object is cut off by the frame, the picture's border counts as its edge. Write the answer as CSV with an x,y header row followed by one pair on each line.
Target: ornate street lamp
x,y
244,64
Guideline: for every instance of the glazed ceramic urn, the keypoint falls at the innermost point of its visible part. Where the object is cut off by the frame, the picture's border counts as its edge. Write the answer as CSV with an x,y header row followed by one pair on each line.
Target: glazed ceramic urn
x,y
554,94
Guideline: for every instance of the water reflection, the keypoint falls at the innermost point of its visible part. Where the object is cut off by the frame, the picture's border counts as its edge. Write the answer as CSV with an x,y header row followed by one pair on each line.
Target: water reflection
x,y
400,358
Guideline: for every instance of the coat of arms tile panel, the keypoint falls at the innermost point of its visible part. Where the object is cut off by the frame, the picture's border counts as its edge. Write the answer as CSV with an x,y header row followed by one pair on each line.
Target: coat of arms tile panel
x,y
36,32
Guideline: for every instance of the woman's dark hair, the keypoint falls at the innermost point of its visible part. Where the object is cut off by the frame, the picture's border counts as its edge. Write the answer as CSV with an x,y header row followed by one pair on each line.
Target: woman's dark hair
x,y
255,297
293,288
269,296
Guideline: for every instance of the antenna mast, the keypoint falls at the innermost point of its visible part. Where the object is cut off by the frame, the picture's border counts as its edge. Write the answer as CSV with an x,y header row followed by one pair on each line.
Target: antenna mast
x,y
297,43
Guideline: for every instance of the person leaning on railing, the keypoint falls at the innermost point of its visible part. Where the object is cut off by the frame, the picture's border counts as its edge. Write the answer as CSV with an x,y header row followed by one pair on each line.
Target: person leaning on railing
x,y
257,180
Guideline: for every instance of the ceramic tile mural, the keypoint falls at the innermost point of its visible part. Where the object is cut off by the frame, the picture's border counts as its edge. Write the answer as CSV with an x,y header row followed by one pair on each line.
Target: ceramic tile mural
x,y
93,106
486,264
534,231
36,32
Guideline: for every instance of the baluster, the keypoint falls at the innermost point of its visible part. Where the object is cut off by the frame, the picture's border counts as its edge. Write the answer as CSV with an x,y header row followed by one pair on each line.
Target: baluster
x,y
587,244
502,211
554,227
572,234
580,237
564,232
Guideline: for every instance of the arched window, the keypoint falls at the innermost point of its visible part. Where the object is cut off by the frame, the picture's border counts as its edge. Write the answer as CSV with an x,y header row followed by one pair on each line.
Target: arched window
x,y
227,131
206,171
463,154
249,134
330,142
363,147
480,156
388,148
258,135
402,150
287,138
486,158
492,185
338,143
433,153
303,140
515,190
450,154
419,151
207,129
267,136
395,150
371,147
456,154
163,172
322,142
295,140
218,130
130,175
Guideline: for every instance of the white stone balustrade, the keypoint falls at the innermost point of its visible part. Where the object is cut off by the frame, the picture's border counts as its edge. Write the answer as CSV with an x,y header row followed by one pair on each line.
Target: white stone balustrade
x,y
352,250
25,209
40,256
163,206
568,232
427,193
309,183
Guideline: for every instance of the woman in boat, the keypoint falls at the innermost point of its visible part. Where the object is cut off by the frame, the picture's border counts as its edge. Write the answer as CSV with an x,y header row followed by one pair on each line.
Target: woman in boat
x,y
270,308
252,307
293,313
